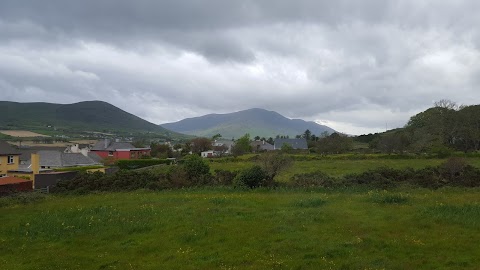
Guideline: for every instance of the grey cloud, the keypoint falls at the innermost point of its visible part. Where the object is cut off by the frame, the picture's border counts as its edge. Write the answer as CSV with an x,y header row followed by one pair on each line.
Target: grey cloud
x,y
358,63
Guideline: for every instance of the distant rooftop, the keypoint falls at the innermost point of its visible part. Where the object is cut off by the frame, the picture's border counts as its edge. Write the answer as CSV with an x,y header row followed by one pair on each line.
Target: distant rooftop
x,y
7,149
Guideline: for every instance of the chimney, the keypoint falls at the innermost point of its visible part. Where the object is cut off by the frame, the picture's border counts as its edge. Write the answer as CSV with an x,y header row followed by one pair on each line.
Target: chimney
x,y
35,160
106,143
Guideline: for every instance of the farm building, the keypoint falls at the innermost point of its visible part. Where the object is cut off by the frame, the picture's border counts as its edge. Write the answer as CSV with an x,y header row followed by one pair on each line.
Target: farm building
x,y
119,150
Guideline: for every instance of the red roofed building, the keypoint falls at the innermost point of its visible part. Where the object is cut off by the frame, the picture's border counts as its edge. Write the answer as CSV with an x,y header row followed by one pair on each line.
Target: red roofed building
x,y
119,150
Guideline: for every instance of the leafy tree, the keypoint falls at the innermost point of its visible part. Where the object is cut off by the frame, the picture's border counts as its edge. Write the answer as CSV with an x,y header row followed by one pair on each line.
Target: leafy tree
x,y
307,135
216,136
200,145
335,144
187,147
257,138
273,163
242,146
160,150
392,142
178,146
270,140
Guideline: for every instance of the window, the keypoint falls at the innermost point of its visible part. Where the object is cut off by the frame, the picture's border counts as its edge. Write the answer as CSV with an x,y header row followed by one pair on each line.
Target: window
x,y
10,160
110,153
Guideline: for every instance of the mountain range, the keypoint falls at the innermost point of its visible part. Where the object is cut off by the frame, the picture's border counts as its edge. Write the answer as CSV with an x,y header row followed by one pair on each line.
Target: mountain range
x,y
104,117
256,122
81,116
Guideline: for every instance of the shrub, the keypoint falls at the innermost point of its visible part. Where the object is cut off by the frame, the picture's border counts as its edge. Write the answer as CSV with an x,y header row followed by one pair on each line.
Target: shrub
x,y
314,179
250,178
273,163
453,167
177,177
197,170
224,177
382,177
131,164
22,198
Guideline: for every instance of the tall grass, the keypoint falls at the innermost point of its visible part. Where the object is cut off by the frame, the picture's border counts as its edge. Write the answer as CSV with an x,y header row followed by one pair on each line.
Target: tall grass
x,y
466,214
230,229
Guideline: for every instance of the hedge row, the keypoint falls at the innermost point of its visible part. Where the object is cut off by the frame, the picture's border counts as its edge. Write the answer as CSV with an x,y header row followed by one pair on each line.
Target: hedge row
x,y
132,164
454,172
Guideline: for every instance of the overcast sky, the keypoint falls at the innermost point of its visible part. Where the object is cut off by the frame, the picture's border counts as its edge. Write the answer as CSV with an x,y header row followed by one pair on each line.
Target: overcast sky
x,y
356,66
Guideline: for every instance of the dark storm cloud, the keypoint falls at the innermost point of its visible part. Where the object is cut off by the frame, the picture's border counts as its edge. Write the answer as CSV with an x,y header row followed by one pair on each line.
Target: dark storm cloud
x,y
353,64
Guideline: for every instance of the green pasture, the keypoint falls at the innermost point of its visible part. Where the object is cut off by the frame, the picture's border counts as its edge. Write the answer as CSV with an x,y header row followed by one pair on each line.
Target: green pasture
x,y
230,229
339,167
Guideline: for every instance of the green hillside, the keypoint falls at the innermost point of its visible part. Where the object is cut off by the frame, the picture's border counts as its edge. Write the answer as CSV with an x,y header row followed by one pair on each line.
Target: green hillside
x,y
82,116
253,121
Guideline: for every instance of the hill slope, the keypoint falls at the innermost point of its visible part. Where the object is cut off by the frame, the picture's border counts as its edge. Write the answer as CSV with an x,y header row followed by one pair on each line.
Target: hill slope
x,y
87,115
253,121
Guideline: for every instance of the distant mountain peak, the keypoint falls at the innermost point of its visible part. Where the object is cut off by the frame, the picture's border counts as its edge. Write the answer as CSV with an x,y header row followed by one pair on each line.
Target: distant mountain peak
x,y
255,121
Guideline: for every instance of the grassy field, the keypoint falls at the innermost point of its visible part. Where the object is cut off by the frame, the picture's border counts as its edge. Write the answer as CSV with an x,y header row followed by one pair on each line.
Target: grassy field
x,y
228,229
339,167
22,133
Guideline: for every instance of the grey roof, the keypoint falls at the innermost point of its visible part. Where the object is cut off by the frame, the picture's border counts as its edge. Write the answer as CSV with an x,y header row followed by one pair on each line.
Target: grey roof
x,y
294,143
261,145
26,152
7,149
95,157
111,146
57,159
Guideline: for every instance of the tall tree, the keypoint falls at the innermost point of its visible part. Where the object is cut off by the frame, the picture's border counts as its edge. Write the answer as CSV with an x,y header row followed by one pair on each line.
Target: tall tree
x,y
199,145
242,146
307,134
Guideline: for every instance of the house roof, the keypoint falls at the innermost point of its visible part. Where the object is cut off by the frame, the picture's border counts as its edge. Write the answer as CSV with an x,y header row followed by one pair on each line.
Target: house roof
x,y
7,149
95,157
12,180
107,145
26,152
49,158
294,143
261,145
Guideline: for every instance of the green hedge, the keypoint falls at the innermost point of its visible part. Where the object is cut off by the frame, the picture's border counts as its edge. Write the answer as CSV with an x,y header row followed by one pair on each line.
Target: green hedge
x,y
132,164
84,168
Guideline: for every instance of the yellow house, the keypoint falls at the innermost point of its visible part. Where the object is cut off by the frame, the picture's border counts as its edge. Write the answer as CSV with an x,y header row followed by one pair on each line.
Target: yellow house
x,y
9,158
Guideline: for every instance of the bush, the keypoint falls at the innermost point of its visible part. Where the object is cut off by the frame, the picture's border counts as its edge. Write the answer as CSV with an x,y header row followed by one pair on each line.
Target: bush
x,y
177,177
453,167
314,179
131,164
22,198
252,177
197,170
224,177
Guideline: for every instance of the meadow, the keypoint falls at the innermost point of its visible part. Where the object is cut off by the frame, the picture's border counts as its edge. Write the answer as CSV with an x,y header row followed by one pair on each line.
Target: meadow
x,y
223,228
339,167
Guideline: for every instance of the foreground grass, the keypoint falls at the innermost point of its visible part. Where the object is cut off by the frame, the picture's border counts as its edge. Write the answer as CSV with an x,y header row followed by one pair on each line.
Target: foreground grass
x,y
227,229
339,167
